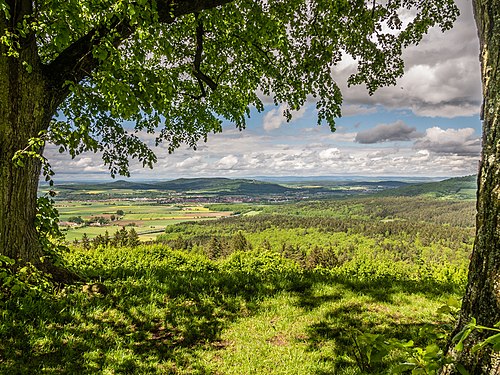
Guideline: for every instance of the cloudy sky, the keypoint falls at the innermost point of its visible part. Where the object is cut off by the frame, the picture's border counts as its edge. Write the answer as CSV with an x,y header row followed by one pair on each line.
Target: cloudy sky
x,y
427,125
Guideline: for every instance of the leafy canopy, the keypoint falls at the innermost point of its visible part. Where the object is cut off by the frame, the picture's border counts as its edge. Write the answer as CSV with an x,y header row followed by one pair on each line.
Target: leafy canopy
x,y
162,69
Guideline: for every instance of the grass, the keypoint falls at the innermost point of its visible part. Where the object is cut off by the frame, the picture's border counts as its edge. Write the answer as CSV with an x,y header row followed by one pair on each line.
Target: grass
x,y
170,312
312,334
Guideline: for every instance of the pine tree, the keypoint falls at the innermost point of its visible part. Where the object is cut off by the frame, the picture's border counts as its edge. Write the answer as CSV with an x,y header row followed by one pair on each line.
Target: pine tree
x,y
85,242
133,238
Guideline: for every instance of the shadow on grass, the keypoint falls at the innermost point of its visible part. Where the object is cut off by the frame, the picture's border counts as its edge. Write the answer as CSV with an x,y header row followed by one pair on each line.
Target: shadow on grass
x,y
146,324
156,321
341,326
382,289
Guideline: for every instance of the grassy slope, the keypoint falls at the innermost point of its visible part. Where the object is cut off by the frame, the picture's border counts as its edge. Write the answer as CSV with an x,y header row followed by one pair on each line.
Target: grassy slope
x,y
169,313
456,188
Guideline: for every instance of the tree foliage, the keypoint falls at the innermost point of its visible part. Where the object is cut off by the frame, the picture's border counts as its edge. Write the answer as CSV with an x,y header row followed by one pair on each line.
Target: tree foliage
x,y
178,68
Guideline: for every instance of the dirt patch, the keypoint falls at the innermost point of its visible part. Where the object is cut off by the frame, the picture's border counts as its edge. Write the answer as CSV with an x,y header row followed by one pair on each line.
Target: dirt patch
x,y
223,344
278,340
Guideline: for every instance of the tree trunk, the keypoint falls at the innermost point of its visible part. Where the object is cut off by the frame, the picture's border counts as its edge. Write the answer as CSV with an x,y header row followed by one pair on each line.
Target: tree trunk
x,y
482,297
25,110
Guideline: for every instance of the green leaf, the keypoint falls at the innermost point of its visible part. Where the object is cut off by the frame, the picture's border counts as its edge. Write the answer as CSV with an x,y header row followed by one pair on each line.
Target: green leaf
x,y
445,309
432,350
463,334
27,66
402,367
454,302
461,369
4,7
418,371
7,260
494,340
496,346
408,344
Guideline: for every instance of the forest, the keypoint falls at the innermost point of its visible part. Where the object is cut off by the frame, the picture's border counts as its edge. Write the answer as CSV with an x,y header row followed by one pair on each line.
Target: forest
x,y
366,285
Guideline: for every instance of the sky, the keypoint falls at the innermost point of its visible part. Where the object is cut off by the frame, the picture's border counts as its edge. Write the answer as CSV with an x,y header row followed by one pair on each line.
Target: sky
x,y
426,126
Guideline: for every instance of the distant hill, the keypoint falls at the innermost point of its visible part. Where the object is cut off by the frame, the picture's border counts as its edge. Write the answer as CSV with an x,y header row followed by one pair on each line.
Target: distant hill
x,y
120,184
221,185
456,187
188,185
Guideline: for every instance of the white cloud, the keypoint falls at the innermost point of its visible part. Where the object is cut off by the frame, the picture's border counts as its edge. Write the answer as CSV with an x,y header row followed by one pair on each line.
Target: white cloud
x,y
340,136
83,162
274,119
329,153
450,141
357,109
194,162
94,168
442,75
227,162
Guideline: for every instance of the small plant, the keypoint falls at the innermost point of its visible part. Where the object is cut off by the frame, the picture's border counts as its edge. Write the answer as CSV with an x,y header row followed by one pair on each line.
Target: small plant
x,y
428,360
472,326
26,281
50,236
369,349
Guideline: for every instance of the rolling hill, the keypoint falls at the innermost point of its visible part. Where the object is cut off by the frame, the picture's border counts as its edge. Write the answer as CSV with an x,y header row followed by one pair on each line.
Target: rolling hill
x,y
218,185
456,187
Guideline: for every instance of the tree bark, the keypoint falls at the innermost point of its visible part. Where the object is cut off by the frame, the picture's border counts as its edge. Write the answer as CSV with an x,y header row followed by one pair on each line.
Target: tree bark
x,y
24,111
482,297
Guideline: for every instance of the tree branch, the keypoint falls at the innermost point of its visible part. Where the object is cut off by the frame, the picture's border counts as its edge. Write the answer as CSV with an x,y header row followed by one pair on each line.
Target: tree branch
x,y
198,57
259,48
77,62
169,10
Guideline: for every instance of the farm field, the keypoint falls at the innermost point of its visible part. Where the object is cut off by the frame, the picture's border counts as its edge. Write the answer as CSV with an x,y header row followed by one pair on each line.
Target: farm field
x,y
148,218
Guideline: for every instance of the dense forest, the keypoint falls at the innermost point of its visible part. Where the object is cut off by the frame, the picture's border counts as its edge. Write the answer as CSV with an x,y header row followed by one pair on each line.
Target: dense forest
x,y
407,233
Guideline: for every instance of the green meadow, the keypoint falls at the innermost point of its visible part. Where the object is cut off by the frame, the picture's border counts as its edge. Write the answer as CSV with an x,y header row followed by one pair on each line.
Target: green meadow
x,y
171,312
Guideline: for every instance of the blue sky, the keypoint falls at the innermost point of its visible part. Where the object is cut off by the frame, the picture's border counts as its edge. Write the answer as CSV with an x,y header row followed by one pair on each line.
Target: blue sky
x,y
426,125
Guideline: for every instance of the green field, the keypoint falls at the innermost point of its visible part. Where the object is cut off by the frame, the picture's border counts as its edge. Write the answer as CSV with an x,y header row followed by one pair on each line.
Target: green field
x,y
145,217
171,312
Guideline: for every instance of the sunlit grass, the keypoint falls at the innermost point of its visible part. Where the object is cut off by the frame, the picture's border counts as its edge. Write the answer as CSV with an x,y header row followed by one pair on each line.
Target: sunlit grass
x,y
170,312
